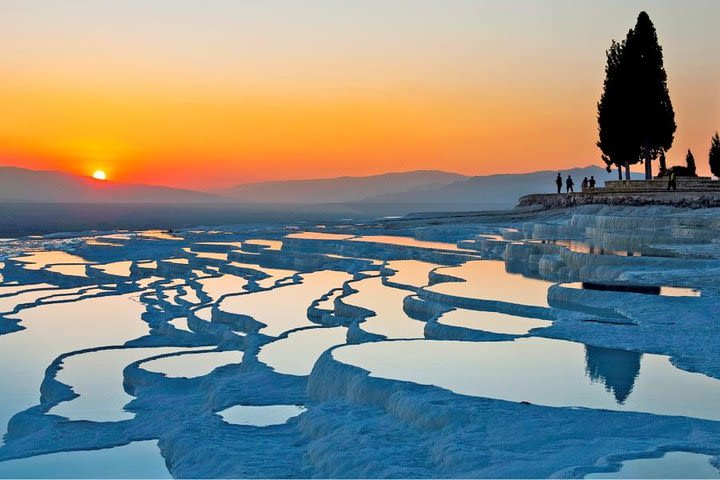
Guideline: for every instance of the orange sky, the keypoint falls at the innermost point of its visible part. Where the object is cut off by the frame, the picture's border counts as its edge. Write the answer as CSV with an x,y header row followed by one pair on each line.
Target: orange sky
x,y
207,95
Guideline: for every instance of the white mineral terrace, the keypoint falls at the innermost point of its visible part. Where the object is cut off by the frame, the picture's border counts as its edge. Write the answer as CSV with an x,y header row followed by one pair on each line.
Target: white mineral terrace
x,y
567,344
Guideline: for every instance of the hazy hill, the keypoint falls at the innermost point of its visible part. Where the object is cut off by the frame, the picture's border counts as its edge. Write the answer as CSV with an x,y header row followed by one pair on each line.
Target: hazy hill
x,y
414,191
23,185
502,190
341,189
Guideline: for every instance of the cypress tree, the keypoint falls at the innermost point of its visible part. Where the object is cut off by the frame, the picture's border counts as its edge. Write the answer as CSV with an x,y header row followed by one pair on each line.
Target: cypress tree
x,y
714,155
690,160
652,110
635,115
613,125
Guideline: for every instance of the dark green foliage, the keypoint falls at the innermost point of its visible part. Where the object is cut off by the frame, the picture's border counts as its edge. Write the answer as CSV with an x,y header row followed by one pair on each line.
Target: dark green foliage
x,y
614,140
689,170
690,161
635,115
714,155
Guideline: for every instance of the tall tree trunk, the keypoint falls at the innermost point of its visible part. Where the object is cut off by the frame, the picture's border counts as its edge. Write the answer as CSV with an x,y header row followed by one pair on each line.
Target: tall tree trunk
x,y
627,171
648,168
663,166
619,173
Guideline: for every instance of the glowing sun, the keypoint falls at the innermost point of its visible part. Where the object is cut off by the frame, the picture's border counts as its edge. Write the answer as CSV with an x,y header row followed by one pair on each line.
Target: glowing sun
x,y
99,175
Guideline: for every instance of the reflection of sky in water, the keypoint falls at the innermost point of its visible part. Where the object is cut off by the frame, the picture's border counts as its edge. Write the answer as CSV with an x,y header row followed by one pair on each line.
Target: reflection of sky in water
x,y
207,255
297,353
387,303
204,313
285,308
38,260
407,241
670,465
192,364
543,371
274,273
158,235
136,460
491,321
329,303
14,287
261,416
70,270
179,261
121,269
52,330
410,272
319,236
98,378
487,279
7,304
269,244
216,287
189,295
180,323
223,244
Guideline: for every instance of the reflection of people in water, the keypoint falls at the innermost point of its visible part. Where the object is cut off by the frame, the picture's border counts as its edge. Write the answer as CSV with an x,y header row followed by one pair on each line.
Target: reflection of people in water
x,y
617,369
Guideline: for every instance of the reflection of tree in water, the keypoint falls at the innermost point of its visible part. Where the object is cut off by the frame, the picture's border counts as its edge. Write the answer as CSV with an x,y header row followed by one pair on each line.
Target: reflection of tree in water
x,y
617,369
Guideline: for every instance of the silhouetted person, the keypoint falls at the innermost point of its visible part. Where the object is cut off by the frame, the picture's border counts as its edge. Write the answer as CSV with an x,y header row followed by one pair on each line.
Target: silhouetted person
x,y
672,182
558,182
569,185
592,181
616,369
584,184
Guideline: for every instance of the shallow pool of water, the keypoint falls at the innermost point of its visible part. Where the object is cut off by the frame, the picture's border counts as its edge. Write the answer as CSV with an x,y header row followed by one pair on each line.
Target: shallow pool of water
x,y
297,353
491,321
389,320
670,465
28,296
285,308
38,260
181,323
409,242
488,280
261,416
545,372
71,270
98,378
120,269
158,235
413,273
319,236
209,255
267,244
216,287
189,365
135,460
54,329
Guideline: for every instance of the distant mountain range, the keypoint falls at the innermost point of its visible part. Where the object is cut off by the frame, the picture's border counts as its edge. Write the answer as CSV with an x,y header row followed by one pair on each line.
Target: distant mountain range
x,y
341,189
417,189
502,189
42,186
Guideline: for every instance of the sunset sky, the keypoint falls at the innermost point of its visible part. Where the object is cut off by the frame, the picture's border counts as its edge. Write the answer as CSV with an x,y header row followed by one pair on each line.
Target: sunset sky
x,y
211,93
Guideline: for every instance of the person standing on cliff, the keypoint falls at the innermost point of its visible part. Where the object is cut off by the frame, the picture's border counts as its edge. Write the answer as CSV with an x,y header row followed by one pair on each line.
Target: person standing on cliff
x,y
584,184
592,181
558,182
569,185
672,182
